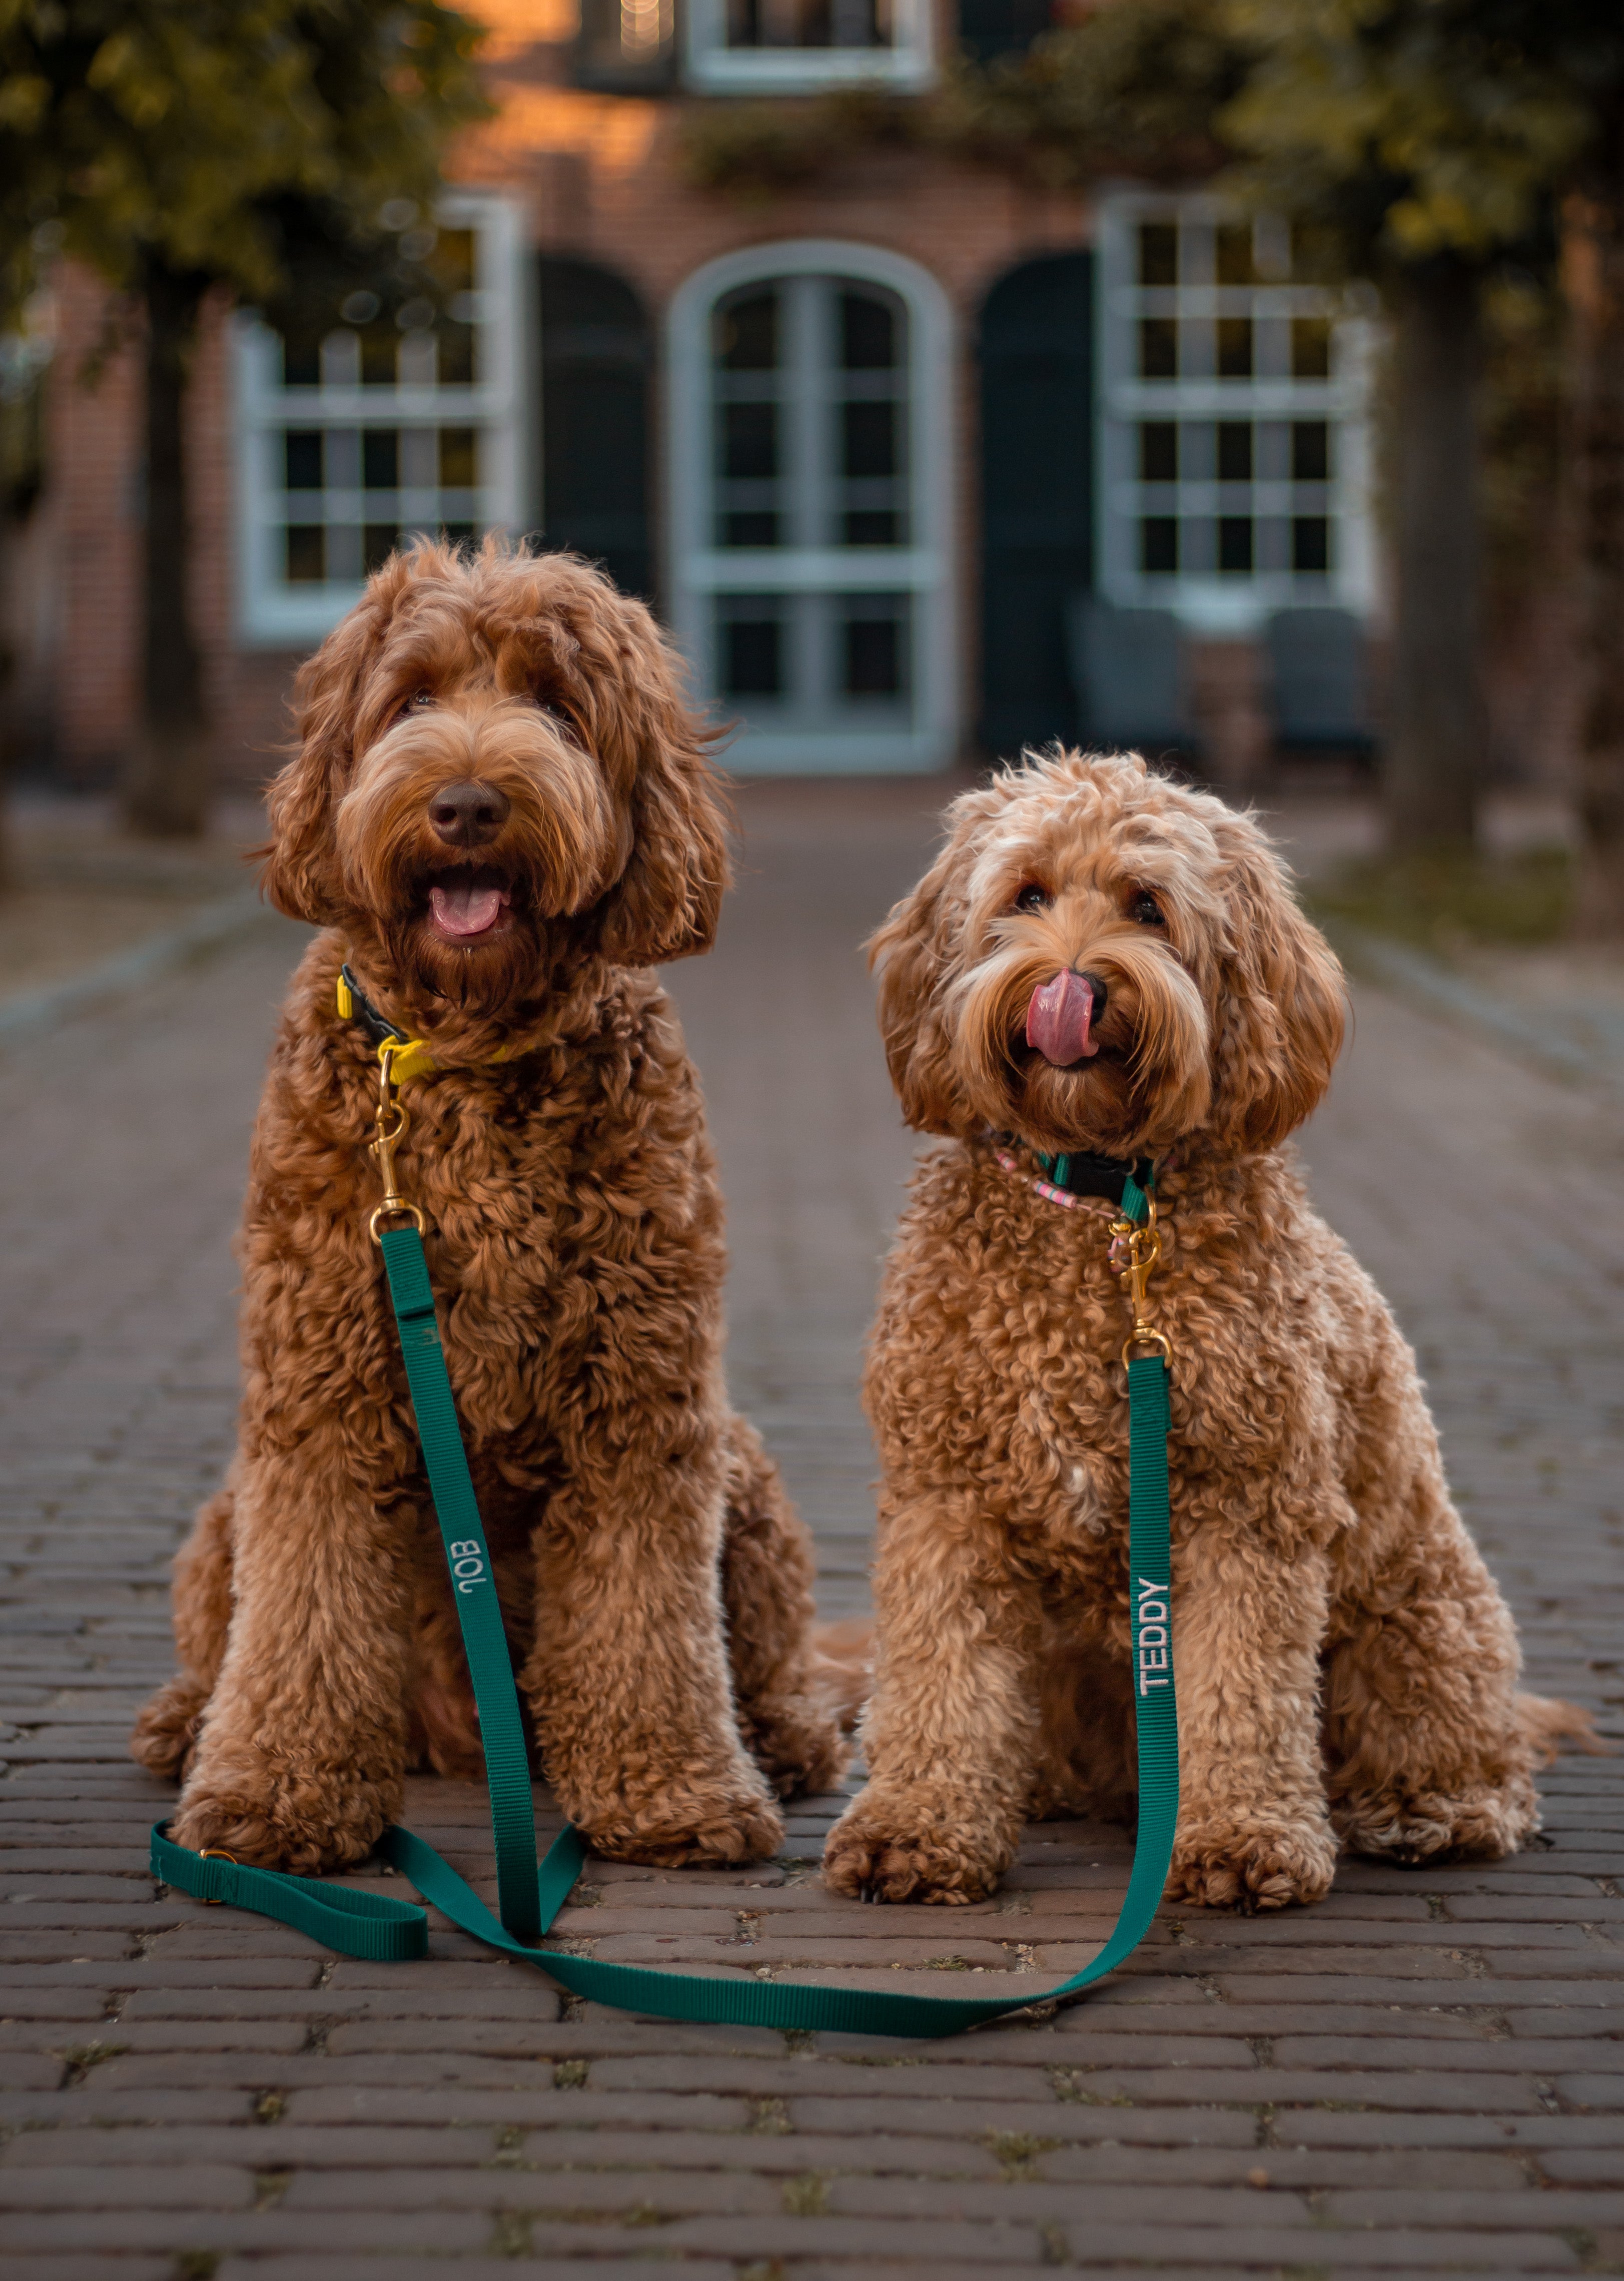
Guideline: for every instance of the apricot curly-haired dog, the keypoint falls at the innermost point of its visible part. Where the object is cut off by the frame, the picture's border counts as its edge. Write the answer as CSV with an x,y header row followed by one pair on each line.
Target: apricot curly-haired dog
x,y
1105,964
501,814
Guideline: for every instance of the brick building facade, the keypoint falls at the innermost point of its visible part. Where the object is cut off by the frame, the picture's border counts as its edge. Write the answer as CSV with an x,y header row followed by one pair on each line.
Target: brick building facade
x,y
916,462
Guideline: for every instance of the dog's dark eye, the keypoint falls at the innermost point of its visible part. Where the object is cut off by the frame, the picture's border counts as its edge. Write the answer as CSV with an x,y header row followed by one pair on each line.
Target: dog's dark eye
x,y
1031,897
1147,910
418,701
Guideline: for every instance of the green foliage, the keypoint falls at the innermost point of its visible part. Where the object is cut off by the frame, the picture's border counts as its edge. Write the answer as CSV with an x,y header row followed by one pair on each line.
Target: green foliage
x,y
756,151
1135,89
1448,899
214,138
1408,129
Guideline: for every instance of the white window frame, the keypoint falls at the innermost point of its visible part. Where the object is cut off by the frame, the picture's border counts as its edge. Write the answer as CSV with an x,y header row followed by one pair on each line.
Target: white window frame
x,y
699,570
1210,602
715,68
271,613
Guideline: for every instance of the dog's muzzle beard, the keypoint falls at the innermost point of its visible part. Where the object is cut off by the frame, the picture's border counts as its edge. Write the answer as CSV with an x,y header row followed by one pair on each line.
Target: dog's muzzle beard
x,y
422,900
1146,1081
480,971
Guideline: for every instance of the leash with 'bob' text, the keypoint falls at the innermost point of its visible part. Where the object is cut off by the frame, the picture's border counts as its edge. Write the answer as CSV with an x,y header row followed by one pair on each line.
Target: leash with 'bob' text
x,y
529,1893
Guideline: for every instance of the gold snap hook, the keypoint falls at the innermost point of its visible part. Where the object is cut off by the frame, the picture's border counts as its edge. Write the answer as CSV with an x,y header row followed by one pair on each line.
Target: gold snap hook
x,y
1136,1252
216,1853
392,1120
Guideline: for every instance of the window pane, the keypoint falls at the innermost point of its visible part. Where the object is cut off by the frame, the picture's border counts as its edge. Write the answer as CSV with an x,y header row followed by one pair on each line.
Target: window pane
x,y
1310,348
306,554
1158,348
302,448
1231,253
459,458
1234,451
301,360
379,541
749,440
380,459
753,527
1234,538
809,23
1310,452
1158,253
1158,451
452,261
746,334
869,439
1311,543
1158,545
380,356
1234,348
868,331
875,646
752,653
454,344
871,527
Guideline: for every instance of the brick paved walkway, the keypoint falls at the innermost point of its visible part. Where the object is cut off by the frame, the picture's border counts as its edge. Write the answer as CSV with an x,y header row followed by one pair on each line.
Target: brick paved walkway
x,y
1422,2074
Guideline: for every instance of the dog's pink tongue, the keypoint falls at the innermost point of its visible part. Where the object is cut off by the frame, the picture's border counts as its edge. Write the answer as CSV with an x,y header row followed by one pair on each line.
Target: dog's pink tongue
x,y
1058,1017
464,910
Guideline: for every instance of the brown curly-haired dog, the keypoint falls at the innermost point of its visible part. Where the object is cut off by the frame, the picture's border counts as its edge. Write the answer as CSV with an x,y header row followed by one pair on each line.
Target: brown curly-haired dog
x,y
1346,1667
501,814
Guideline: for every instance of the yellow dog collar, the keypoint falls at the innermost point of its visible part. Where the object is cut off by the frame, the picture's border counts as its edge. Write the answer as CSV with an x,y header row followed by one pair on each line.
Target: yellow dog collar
x,y
409,1058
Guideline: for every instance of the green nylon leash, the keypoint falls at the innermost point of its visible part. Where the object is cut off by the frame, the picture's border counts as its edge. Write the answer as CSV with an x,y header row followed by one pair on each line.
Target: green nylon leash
x,y
529,1895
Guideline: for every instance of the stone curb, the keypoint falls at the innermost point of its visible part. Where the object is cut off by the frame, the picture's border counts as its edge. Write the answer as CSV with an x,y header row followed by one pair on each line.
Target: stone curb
x,y
215,923
1429,985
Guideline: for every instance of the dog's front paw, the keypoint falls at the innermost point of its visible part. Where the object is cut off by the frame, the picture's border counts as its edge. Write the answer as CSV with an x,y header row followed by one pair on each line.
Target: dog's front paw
x,y
319,1821
720,1824
165,1729
898,1847
1252,1869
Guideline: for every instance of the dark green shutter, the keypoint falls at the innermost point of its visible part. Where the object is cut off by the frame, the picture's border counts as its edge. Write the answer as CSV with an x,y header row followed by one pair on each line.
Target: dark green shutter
x,y
1037,515
596,354
1001,27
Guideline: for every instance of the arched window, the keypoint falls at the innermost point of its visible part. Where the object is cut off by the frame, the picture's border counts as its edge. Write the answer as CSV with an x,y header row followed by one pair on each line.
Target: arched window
x,y
810,572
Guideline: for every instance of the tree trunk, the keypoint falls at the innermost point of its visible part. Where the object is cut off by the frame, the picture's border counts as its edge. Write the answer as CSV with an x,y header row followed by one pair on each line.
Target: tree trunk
x,y
167,779
1594,271
1438,732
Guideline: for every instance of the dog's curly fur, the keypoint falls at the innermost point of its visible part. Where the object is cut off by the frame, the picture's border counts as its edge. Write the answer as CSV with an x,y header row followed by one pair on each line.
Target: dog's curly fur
x,y
1346,1665
654,1579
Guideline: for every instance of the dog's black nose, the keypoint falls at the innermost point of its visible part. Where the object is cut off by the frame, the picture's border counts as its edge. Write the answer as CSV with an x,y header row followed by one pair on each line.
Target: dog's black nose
x,y
1098,988
467,814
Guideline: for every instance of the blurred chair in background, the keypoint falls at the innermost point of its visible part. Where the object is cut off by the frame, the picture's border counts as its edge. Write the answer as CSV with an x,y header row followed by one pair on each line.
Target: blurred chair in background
x,y
1321,696
1128,669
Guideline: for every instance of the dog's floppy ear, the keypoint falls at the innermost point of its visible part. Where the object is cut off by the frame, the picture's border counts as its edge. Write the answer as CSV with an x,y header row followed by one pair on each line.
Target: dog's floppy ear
x,y
299,876
914,953
1282,1008
668,899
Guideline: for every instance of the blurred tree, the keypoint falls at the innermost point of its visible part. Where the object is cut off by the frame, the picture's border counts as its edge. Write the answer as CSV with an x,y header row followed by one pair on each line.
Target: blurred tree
x,y
1593,270
1427,143
179,147
1421,144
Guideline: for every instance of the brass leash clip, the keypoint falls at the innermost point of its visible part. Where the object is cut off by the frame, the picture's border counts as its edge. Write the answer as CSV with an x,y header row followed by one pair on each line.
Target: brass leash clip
x,y
1136,1250
216,1853
392,1121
